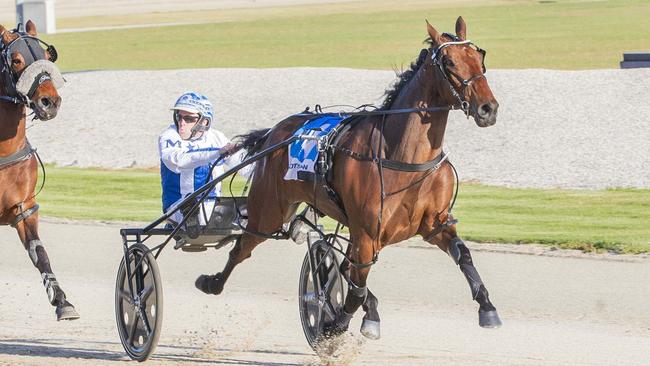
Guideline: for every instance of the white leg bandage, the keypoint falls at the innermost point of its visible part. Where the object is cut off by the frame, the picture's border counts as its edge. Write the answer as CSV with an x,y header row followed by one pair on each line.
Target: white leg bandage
x,y
50,283
33,244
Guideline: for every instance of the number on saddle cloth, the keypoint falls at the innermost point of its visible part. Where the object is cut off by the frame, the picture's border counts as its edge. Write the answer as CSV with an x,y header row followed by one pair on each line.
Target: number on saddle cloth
x,y
303,154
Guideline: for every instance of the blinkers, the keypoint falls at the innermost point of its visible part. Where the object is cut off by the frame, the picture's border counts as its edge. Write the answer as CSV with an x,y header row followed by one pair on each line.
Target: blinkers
x,y
20,88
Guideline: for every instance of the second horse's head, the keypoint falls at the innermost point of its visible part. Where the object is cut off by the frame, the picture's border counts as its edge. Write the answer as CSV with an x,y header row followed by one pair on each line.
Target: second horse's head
x,y
29,75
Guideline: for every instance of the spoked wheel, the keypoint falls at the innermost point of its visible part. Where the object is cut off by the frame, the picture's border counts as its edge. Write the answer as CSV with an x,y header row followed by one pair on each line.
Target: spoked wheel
x,y
139,303
321,293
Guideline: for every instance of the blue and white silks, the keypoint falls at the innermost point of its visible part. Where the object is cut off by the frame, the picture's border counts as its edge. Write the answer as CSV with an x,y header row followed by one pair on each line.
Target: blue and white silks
x,y
184,166
304,153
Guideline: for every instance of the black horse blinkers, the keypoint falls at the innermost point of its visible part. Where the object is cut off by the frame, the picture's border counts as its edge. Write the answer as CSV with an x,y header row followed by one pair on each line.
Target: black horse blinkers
x,y
29,47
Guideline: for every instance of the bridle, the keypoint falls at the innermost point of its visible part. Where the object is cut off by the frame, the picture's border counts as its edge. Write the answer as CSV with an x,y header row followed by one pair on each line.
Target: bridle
x,y
20,90
439,60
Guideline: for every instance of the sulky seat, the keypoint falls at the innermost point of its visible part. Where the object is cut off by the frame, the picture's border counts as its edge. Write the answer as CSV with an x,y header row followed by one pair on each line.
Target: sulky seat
x,y
221,228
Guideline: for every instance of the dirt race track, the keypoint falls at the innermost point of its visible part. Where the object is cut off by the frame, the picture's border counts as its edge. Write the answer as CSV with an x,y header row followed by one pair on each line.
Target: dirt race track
x,y
556,311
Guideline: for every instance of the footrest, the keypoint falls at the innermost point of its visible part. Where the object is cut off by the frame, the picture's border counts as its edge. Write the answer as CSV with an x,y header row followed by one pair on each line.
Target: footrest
x,y
208,239
194,248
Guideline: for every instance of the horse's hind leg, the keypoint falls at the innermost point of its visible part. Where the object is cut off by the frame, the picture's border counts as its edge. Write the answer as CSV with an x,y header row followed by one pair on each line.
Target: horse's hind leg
x,y
213,284
269,223
458,251
28,233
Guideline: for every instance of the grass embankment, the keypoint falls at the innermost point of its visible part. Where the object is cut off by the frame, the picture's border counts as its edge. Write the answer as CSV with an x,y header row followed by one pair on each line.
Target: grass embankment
x,y
589,220
369,35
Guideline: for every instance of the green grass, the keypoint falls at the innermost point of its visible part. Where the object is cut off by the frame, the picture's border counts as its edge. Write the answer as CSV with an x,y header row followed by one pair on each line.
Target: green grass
x,y
379,35
94,194
615,219
590,220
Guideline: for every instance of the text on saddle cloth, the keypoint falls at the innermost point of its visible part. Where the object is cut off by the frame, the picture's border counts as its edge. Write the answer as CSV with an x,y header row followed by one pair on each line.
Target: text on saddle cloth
x,y
303,153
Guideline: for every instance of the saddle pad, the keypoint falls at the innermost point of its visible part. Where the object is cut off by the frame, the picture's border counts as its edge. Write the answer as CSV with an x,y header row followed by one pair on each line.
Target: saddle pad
x,y
304,153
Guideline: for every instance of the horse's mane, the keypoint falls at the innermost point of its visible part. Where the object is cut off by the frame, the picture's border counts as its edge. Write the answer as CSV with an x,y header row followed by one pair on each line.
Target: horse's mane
x,y
251,141
403,78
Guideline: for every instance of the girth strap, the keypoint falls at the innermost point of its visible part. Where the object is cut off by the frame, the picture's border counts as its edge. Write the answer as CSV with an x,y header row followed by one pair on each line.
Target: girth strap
x,y
398,165
408,167
18,156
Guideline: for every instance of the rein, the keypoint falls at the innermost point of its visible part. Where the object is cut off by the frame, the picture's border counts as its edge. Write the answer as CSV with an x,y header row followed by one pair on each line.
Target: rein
x,y
307,113
14,100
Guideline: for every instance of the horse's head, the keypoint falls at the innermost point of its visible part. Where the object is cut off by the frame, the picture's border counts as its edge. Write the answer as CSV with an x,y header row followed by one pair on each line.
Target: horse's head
x,y
29,75
462,66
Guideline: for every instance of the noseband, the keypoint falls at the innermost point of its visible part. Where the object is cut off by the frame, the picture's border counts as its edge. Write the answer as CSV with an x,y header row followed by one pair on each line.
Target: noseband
x,y
30,48
438,59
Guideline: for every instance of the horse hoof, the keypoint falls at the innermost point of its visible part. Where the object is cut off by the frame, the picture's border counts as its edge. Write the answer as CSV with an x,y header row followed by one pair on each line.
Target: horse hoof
x,y
340,325
212,285
489,319
66,312
370,329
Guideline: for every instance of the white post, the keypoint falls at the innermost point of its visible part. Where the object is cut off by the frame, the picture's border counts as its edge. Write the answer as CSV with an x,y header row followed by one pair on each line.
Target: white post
x,y
41,12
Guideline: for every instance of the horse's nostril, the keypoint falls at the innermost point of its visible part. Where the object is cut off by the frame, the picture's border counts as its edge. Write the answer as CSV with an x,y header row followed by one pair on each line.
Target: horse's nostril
x,y
485,109
46,102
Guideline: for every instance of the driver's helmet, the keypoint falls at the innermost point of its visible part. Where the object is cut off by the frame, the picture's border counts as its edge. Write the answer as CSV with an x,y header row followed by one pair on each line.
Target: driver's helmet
x,y
194,103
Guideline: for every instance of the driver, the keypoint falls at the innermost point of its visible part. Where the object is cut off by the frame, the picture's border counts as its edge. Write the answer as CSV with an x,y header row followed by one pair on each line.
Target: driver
x,y
187,149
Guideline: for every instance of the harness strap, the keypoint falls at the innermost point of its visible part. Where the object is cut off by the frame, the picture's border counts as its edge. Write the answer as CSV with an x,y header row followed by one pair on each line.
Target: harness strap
x,y
381,112
9,99
24,213
440,226
398,165
18,156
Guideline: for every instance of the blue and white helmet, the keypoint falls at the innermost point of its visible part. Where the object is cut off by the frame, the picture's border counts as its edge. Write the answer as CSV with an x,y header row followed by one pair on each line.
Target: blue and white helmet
x,y
195,103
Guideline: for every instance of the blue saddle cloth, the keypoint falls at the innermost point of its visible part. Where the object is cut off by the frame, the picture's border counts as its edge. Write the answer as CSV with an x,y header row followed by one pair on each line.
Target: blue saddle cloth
x,y
304,153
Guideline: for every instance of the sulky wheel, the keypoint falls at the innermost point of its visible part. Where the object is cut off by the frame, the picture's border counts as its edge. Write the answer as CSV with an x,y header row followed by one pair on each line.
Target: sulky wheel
x,y
320,304
139,303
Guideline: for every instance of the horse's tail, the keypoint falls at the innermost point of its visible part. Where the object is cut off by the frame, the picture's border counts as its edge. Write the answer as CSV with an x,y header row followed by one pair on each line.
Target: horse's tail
x,y
252,141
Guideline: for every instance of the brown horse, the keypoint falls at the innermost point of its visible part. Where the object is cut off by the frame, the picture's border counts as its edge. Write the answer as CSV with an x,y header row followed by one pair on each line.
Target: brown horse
x,y
380,202
29,79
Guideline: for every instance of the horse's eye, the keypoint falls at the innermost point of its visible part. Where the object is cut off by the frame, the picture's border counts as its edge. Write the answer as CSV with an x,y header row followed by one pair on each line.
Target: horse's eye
x,y
16,62
448,62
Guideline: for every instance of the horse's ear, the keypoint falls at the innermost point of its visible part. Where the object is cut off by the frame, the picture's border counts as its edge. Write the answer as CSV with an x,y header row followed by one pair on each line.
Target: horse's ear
x,y
433,33
461,29
30,27
6,36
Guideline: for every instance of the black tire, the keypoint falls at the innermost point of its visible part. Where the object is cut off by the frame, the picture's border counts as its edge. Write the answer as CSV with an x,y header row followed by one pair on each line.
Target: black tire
x,y
317,317
138,341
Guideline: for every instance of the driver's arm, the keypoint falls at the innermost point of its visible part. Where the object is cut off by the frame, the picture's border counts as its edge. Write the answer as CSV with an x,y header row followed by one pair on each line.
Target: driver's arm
x,y
176,158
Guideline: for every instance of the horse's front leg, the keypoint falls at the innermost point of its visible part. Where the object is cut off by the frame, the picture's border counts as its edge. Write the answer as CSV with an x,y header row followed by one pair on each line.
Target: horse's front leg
x,y
449,242
28,233
370,326
361,253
